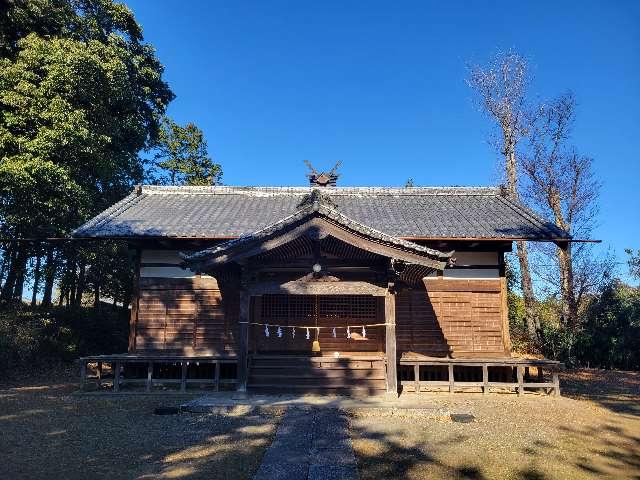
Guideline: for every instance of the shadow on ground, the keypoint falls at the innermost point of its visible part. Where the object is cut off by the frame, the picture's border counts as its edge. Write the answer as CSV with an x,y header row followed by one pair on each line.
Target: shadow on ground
x,y
48,433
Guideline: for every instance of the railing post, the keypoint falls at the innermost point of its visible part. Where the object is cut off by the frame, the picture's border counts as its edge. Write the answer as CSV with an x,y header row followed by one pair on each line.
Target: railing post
x,y
99,374
116,376
217,375
519,372
485,379
416,377
451,378
149,376
183,376
83,374
556,382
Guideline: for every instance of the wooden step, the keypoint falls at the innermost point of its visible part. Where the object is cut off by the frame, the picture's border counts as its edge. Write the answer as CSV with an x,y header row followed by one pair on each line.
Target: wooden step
x,y
318,378
349,364
318,372
323,390
315,383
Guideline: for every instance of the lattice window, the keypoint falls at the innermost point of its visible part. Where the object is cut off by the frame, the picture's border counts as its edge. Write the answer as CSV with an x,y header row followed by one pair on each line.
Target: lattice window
x,y
287,306
351,306
305,306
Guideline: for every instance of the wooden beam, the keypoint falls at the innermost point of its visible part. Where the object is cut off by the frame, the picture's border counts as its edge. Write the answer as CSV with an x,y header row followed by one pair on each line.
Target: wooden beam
x,y
116,376
216,377
243,341
99,373
329,228
183,376
485,379
390,342
556,382
451,379
133,319
300,287
504,306
83,374
149,376
519,372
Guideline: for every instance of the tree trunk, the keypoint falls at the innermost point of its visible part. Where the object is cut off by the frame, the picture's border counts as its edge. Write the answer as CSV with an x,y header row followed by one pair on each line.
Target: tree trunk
x,y
72,276
569,304
15,277
527,292
526,284
6,255
49,277
7,288
20,277
36,280
77,301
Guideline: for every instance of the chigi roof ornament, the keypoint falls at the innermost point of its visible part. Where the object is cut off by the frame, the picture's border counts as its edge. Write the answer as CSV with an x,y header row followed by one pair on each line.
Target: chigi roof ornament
x,y
323,179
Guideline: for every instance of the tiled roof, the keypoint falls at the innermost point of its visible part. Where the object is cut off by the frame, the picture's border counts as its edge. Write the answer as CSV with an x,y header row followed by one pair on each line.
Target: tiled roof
x,y
318,205
228,212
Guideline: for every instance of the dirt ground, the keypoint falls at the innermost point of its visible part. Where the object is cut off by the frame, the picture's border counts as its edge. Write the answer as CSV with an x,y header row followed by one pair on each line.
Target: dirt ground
x,y
591,432
46,433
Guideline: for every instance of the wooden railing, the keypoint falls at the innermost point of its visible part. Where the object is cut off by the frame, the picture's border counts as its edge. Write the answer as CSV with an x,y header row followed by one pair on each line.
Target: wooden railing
x,y
118,362
522,367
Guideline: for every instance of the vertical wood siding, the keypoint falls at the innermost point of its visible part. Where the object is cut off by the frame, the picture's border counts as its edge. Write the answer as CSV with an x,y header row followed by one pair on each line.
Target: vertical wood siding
x,y
460,317
185,316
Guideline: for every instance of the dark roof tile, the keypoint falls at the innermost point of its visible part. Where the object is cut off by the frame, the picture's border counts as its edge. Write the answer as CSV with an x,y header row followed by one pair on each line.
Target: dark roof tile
x,y
223,212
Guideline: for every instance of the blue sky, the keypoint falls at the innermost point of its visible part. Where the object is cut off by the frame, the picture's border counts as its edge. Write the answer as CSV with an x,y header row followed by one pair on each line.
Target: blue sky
x,y
380,86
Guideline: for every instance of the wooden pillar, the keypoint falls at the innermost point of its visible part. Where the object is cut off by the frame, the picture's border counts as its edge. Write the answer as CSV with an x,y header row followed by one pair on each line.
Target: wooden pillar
x,y
451,379
83,374
519,371
116,376
556,382
216,374
416,377
99,374
183,376
243,341
149,376
390,342
485,379
133,319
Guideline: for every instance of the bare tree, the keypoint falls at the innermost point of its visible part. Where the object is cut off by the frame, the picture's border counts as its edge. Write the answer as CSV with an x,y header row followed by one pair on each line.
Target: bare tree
x,y
561,185
502,87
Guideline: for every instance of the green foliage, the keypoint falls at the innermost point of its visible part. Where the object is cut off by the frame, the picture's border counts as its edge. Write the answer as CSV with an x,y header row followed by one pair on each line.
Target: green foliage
x,y
38,198
633,262
81,95
611,334
182,152
35,336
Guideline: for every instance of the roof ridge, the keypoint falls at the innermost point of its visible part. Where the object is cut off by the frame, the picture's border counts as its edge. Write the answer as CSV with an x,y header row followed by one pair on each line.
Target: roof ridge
x,y
342,190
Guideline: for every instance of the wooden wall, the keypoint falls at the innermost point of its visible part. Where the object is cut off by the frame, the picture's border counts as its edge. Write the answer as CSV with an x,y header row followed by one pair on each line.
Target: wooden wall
x,y
185,316
181,312
464,318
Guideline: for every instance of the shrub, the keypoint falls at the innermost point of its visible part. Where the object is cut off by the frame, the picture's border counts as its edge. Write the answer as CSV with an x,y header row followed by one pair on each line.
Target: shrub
x,y
36,336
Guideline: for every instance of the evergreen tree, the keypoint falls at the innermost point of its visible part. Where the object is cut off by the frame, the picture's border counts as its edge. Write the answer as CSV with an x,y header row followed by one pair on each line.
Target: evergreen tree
x,y
182,153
